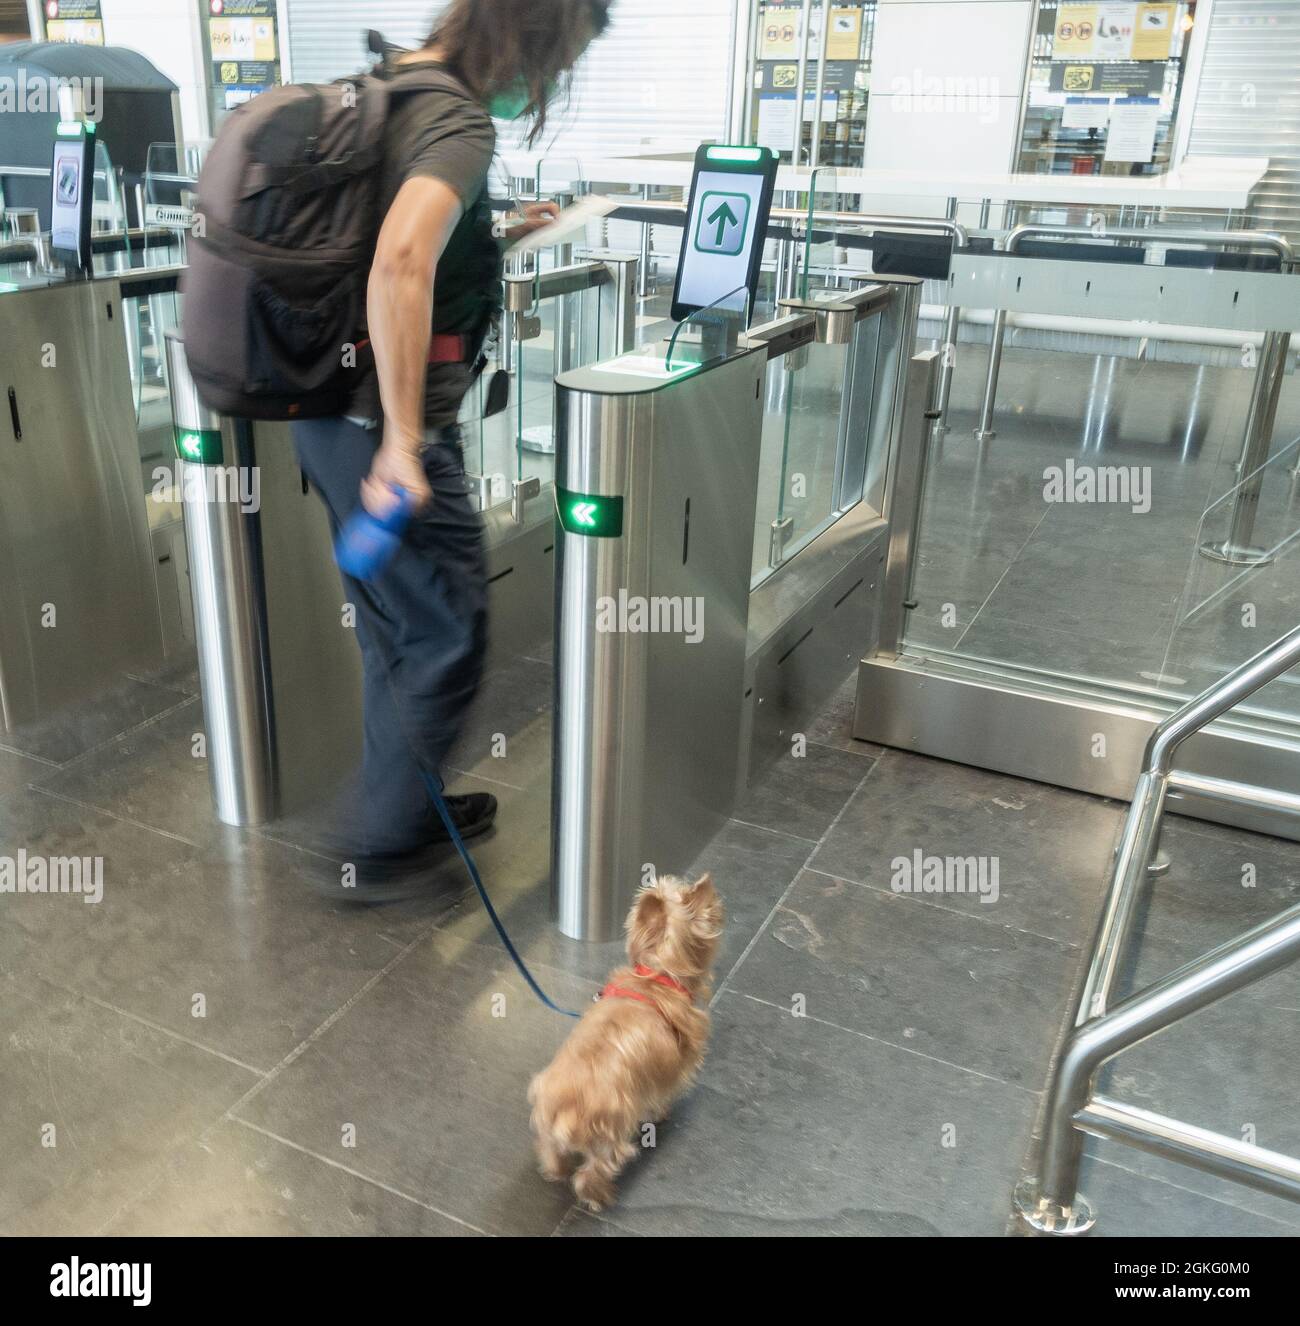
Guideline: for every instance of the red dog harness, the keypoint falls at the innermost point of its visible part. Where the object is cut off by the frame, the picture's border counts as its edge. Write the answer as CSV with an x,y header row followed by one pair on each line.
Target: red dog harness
x,y
612,991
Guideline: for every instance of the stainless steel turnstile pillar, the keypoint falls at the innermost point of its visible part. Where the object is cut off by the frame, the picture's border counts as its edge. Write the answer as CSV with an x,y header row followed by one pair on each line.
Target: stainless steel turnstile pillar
x,y
229,607
657,481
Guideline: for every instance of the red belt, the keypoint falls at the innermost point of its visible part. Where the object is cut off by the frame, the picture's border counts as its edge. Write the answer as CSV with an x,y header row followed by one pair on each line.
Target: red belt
x,y
444,348
449,348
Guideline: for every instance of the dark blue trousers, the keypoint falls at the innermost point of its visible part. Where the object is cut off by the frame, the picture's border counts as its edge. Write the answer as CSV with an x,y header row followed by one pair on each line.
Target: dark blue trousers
x,y
421,624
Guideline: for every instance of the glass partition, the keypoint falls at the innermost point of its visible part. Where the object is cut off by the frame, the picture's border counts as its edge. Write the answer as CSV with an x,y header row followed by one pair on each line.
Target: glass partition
x,y
1070,512
827,66
801,439
1231,609
510,434
1104,87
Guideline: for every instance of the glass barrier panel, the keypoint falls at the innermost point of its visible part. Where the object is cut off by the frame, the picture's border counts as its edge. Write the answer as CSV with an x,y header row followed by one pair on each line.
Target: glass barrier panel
x,y
1064,507
1242,589
518,441
801,452
817,259
709,333
169,189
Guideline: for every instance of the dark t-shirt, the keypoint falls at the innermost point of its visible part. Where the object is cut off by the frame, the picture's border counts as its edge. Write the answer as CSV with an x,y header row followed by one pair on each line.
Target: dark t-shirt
x,y
450,138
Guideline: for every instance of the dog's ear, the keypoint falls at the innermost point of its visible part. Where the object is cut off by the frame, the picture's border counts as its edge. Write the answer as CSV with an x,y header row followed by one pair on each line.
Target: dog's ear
x,y
705,908
647,922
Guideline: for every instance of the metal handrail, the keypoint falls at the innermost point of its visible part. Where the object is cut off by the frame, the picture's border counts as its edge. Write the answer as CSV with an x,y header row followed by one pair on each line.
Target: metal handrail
x,y
902,225
1053,1203
1228,239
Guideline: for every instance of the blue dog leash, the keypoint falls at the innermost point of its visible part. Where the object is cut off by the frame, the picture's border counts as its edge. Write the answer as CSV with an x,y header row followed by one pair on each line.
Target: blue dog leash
x,y
440,805
365,545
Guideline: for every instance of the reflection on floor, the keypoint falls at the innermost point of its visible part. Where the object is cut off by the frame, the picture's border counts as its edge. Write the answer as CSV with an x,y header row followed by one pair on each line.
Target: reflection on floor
x,y
217,1050
213,1049
1108,590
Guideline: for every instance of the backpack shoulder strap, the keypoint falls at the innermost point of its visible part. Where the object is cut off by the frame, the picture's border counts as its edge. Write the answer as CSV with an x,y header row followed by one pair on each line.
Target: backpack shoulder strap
x,y
424,78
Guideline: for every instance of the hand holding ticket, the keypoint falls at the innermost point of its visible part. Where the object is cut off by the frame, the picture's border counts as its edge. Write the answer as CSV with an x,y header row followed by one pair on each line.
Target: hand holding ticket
x,y
590,207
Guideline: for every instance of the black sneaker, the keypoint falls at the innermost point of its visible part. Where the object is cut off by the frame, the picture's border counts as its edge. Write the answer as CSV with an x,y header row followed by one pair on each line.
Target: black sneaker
x,y
472,814
431,870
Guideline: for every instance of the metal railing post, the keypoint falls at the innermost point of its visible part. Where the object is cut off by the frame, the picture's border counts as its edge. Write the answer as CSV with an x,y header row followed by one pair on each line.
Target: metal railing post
x,y
814,155
1052,1203
618,301
229,604
801,81
647,235
905,499
1239,548
1241,962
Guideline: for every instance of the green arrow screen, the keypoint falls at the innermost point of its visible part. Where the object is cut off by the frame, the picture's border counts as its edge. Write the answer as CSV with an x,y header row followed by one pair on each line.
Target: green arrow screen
x,y
589,513
202,446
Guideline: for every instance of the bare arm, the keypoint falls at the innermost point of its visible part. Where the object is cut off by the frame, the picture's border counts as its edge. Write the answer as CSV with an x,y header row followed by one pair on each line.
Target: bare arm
x,y
399,307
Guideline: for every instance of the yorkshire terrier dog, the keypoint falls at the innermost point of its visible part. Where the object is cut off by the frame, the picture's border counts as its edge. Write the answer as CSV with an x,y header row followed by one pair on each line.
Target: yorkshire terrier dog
x,y
637,1048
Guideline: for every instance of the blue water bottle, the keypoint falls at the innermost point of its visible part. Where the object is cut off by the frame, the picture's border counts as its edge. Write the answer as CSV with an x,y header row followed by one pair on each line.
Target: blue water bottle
x,y
366,543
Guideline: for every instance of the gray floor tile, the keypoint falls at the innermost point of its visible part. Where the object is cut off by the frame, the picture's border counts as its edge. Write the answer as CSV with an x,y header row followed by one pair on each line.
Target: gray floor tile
x,y
152,775
17,771
834,726
967,991
79,728
508,732
238,1182
239,927
1052,848
434,1085
796,1127
579,1224
178,674
1220,883
751,868
1130,1204
802,794
118,1095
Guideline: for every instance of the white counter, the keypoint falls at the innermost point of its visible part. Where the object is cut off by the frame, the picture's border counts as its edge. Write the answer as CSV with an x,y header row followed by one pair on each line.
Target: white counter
x,y
1200,183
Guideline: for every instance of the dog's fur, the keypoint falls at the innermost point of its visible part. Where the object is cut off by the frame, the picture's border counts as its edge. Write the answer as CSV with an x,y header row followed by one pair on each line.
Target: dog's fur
x,y
626,1061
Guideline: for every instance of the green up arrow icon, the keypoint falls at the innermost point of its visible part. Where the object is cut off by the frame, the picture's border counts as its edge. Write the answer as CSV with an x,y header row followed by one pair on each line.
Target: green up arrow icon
x,y
725,217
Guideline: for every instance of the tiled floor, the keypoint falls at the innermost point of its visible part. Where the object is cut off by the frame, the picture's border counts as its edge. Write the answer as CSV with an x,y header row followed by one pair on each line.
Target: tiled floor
x,y
218,1050
214,1049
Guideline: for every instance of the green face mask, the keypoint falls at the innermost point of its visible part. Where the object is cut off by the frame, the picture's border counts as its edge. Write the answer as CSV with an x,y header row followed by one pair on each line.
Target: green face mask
x,y
511,102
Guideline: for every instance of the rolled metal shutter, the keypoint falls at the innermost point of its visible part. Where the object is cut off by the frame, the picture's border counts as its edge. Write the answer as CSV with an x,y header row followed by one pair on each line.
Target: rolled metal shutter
x,y
1248,102
659,78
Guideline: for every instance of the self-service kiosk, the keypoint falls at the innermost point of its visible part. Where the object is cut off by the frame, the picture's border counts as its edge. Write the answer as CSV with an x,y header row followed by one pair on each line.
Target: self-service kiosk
x,y
656,482
73,194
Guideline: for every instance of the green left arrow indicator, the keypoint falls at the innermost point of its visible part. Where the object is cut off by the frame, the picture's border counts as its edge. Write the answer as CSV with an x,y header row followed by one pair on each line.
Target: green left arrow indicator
x,y
201,446
591,514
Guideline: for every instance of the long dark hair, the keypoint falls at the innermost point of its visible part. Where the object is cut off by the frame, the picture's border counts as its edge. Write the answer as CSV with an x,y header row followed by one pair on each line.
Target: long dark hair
x,y
492,45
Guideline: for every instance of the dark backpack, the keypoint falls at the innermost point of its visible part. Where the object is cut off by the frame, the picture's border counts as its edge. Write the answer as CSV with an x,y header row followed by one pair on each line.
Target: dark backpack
x,y
287,219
